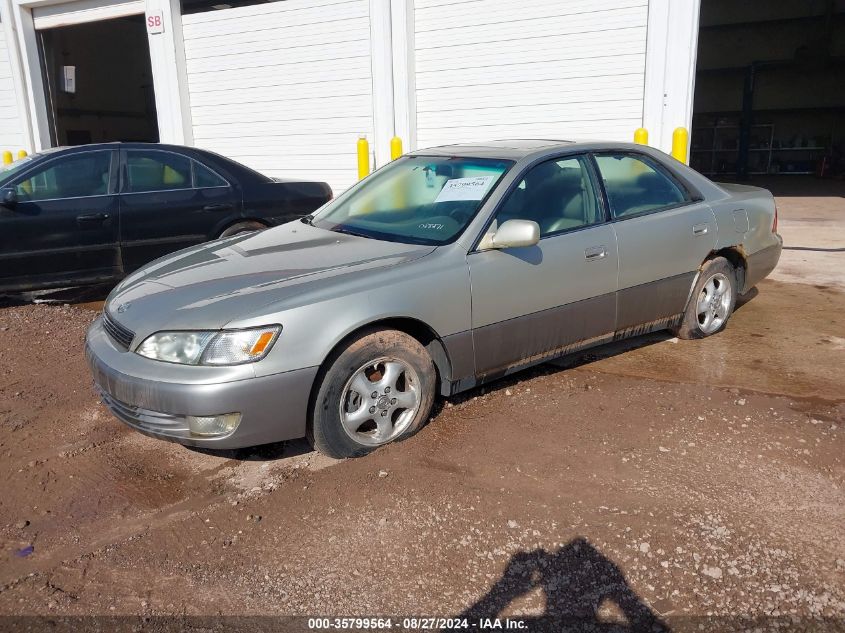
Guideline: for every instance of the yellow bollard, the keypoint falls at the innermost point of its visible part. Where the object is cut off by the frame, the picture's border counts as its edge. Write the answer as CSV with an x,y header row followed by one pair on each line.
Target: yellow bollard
x,y
7,157
395,148
363,158
680,140
641,136
22,154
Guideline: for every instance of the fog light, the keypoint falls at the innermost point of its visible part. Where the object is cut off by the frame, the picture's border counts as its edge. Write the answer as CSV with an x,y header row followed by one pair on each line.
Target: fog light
x,y
213,425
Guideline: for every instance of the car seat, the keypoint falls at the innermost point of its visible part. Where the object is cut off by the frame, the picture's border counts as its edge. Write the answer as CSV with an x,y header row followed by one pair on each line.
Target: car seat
x,y
559,201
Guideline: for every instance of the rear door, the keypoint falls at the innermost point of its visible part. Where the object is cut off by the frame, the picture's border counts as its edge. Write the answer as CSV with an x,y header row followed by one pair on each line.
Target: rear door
x,y
557,296
64,227
663,233
169,201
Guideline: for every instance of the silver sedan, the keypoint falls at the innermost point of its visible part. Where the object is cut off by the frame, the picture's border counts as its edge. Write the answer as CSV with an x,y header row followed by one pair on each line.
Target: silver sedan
x,y
446,269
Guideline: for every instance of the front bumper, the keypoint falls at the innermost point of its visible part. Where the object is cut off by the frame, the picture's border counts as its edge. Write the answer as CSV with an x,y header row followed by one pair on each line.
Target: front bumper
x,y
154,397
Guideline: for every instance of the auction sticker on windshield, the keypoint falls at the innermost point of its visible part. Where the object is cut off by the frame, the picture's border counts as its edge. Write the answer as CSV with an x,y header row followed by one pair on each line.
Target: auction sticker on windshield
x,y
465,189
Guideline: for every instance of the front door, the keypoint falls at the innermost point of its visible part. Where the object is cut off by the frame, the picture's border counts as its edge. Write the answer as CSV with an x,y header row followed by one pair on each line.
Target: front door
x,y
533,303
63,228
664,235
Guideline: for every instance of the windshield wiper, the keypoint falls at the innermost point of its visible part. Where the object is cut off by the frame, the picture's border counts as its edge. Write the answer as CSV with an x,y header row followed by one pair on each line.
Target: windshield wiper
x,y
340,229
308,219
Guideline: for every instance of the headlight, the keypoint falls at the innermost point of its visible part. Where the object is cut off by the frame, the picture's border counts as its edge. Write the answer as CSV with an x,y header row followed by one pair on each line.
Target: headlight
x,y
229,347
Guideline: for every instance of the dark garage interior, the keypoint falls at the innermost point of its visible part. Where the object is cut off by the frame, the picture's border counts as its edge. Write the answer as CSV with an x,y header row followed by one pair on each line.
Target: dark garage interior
x,y
770,89
111,97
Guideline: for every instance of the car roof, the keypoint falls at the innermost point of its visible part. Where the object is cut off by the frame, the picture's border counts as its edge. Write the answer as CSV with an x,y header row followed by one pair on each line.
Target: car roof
x,y
216,161
517,149
508,148
121,144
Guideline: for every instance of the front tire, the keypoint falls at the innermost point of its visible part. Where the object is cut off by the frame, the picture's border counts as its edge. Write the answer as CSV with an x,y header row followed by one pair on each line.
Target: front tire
x,y
712,301
378,389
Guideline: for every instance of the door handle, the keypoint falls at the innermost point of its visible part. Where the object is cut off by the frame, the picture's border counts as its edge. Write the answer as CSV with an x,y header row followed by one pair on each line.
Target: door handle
x,y
92,217
222,206
595,253
701,229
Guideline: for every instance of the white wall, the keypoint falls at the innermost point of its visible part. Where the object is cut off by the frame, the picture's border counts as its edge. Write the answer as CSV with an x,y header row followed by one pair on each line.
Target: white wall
x,y
487,69
12,124
287,87
284,87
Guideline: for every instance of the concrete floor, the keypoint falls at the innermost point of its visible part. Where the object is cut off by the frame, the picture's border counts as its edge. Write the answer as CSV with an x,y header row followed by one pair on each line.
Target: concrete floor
x,y
812,222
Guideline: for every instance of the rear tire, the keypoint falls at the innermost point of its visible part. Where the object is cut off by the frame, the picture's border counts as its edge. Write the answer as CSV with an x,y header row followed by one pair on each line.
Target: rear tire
x,y
377,390
243,227
712,300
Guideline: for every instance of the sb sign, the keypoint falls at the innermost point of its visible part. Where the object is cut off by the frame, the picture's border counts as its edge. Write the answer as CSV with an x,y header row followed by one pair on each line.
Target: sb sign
x,y
155,23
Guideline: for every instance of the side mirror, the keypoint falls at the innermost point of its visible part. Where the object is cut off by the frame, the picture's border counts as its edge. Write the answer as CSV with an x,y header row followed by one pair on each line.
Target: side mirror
x,y
515,234
8,196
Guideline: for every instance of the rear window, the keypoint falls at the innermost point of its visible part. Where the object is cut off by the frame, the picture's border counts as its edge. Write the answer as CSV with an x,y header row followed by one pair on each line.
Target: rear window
x,y
635,185
156,171
204,177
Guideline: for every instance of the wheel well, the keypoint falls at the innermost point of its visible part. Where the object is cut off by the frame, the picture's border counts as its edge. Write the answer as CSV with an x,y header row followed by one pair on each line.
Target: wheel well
x,y
427,337
736,256
235,221
412,327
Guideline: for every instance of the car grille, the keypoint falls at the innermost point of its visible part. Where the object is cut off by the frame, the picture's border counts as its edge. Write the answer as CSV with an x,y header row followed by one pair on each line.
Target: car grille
x,y
121,335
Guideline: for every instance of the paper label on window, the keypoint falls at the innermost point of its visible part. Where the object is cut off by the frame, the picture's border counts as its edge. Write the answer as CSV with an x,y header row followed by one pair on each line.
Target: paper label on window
x,y
464,189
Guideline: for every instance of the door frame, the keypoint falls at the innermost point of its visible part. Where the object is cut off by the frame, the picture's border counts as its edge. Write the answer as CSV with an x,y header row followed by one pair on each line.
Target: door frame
x,y
22,19
671,56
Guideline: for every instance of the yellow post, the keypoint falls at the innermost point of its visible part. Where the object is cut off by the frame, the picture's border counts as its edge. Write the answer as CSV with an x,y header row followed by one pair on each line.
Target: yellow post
x,y
395,148
22,154
7,157
641,136
680,140
363,158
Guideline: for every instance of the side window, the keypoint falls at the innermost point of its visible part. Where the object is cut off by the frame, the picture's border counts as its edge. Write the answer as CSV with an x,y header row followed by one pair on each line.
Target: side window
x,y
635,186
76,176
558,195
204,177
156,171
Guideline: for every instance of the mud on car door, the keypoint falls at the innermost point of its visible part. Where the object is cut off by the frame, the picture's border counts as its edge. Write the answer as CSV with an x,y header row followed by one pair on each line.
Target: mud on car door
x,y
664,234
540,301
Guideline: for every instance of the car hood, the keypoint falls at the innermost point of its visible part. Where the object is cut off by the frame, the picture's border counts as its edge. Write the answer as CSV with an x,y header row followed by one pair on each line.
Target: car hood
x,y
207,286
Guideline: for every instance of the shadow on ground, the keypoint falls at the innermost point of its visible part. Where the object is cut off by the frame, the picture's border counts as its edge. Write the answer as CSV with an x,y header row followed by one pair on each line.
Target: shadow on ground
x,y
583,591
82,296
263,453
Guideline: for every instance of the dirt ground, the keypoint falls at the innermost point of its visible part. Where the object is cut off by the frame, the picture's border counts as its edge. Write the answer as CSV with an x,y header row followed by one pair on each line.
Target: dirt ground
x,y
658,483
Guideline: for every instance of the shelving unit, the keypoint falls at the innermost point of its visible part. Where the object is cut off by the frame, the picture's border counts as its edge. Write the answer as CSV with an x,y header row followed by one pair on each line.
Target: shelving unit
x,y
713,152
711,162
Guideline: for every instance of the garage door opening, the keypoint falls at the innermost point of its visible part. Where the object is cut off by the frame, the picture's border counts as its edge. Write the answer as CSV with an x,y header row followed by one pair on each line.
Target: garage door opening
x,y
99,82
769,97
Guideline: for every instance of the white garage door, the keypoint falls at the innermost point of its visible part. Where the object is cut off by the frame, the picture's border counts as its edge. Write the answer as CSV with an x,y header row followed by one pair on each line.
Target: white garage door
x,y
11,124
284,87
488,69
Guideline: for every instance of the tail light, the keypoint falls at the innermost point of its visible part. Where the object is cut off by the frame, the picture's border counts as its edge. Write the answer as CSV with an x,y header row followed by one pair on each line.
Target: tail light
x,y
775,221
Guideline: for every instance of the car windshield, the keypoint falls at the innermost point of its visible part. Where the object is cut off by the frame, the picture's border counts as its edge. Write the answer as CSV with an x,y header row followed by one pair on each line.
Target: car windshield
x,y
8,171
417,199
